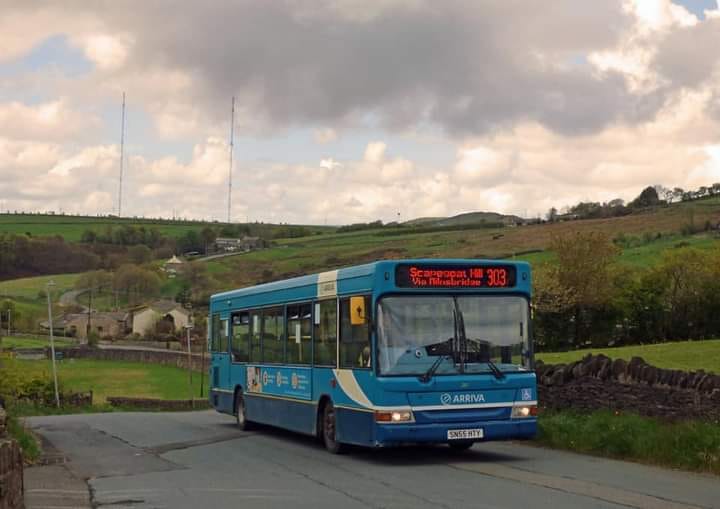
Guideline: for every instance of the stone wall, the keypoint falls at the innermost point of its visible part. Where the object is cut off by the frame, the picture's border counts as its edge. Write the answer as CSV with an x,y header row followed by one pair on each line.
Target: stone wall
x,y
11,469
597,382
159,404
168,358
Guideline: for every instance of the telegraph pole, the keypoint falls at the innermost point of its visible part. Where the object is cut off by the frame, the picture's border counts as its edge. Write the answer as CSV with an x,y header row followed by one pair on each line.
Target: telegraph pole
x,y
48,287
122,154
230,170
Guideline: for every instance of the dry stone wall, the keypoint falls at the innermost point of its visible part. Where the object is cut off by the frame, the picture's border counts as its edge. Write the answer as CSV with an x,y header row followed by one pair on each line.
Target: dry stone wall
x,y
168,358
11,469
598,382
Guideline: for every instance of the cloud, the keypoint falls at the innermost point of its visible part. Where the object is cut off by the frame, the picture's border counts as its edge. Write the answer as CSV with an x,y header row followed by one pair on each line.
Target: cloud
x,y
325,135
330,164
54,120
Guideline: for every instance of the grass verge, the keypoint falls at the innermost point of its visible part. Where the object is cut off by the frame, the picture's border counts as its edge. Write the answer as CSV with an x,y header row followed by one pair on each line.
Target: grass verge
x,y
24,437
684,355
109,378
691,445
8,342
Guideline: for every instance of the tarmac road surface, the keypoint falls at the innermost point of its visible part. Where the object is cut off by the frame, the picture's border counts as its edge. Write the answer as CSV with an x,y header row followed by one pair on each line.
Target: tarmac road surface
x,y
199,460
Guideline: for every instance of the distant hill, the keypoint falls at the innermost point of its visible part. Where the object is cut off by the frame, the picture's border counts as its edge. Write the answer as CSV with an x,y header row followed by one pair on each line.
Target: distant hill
x,y
71,227
465,219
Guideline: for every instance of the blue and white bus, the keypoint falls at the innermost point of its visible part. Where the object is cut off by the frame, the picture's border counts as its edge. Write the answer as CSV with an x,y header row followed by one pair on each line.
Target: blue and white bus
x,y
383,354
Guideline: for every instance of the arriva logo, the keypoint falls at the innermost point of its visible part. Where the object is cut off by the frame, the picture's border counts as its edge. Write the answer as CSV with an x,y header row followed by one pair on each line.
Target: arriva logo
x,y
461,399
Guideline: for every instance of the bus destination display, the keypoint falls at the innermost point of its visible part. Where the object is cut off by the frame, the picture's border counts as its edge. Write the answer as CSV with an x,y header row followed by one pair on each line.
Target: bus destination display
x,y
455,276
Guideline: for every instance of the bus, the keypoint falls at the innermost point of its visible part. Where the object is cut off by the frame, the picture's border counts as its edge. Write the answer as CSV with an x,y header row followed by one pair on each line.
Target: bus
x,y
389,353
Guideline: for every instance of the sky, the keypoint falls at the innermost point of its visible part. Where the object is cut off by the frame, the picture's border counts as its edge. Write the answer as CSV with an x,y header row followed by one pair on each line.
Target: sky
x,y
349,110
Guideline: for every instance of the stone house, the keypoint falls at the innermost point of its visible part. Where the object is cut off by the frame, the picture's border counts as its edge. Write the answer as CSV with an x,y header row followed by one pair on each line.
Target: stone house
x,y
104,324
146,318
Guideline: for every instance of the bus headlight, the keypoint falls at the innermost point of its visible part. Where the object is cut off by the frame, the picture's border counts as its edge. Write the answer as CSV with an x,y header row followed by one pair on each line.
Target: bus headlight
x,y
398,416
524,411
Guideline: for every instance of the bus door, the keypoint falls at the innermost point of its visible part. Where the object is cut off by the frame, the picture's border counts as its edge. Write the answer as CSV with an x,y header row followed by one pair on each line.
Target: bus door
x,y
219,344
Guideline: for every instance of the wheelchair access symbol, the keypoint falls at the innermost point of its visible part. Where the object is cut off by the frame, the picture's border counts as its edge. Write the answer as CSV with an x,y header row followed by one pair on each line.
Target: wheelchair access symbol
x,y
526,394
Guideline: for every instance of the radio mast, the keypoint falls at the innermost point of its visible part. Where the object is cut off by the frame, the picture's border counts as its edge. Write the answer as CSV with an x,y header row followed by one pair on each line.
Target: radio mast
x,y
230,170
122,153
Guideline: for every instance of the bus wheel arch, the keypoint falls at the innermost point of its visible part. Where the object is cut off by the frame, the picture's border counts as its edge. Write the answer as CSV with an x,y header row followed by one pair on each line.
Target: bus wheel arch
x,y
239,410
328,427
322,402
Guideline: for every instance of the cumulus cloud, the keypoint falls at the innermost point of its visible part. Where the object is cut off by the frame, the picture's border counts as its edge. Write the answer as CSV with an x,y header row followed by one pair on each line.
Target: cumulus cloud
x,y
54,120
544,106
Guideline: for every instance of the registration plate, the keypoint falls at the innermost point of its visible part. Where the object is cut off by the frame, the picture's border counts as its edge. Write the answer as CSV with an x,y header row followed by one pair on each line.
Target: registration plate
x,y
464,434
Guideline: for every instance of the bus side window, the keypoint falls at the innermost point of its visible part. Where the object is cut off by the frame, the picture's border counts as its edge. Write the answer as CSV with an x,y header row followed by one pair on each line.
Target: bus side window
x,y
240,340
219,336
354,339
273,335
325,346
299,334
255,336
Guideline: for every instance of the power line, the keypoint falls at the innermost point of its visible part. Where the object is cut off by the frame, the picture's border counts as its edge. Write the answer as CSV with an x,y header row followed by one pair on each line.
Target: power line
x,y
122,151
230,170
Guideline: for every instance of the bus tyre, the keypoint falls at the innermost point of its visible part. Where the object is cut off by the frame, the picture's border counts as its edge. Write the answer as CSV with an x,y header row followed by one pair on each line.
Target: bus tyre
x,y
329,430
460,446
242,423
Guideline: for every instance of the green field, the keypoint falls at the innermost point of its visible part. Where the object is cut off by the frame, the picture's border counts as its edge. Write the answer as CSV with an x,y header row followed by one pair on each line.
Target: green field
x,y
30,287
107,378
685,355
71,228
8,342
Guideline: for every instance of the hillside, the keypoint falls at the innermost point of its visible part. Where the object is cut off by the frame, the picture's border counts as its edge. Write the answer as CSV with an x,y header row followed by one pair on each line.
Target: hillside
x,y
467,218
646,236
71,228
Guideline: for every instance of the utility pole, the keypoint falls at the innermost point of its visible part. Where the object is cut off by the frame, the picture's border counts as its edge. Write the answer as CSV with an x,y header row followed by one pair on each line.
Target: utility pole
x,y
48,288
230,170
122,156
188,328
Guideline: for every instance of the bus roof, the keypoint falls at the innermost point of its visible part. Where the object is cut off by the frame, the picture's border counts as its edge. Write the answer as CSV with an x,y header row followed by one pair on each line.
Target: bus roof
x,y
367,278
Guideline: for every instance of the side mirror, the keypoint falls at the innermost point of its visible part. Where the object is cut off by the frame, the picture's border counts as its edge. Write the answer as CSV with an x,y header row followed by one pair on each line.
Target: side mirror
x,y
357,311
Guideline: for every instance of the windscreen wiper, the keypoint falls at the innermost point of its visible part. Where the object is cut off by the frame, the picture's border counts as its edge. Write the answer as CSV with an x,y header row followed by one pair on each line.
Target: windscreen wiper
x,y
425,378
495,370
490,364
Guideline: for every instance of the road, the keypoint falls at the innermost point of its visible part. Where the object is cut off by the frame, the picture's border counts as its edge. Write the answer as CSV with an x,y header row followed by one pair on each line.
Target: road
x,y
199,460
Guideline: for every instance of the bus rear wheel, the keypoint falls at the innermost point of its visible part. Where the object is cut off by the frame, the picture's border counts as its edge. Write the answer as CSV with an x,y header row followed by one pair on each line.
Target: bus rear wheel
x,y
242,423
329,430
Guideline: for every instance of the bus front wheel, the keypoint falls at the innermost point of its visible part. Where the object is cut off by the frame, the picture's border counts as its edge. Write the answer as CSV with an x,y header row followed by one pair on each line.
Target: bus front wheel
x,y
329,430
242,422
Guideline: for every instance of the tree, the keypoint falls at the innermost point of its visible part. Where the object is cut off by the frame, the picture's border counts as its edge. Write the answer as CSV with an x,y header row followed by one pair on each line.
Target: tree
x,y
583,275
648,198
208,236
136,283
678,194
552,214
140,254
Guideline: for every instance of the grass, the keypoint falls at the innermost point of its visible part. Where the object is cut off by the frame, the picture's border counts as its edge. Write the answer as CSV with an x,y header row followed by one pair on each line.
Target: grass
x,y
26,440
30,287
107,378
684,355
8,342
690,445
71,228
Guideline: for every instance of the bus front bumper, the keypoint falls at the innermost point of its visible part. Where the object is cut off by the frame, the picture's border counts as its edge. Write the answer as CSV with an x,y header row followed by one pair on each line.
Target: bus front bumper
x,y
396,434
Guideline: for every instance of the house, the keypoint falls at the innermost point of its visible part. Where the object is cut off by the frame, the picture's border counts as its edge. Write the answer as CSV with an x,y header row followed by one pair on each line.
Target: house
x,y
243,244
104,324
172,265
146,318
